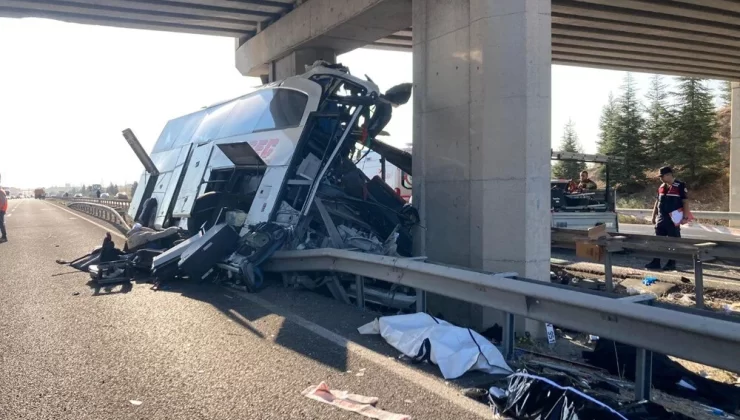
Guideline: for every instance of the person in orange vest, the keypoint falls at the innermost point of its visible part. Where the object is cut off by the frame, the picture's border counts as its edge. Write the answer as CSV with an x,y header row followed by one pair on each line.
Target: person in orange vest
x,y
3,210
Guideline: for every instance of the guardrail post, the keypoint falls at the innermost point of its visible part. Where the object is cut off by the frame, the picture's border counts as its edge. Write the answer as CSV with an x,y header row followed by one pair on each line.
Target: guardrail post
x,y
421,300
643,375
608,272
644,358
644,366
699,281
360,291
507,337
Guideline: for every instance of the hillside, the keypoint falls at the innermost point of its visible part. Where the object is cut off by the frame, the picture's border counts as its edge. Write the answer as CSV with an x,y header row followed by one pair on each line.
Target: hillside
x,y
710,197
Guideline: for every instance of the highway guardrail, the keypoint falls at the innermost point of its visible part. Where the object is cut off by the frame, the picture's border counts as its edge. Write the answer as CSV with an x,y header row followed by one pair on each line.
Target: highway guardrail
x,y
696,335
110,202
697,251
115,216
100,211
709,215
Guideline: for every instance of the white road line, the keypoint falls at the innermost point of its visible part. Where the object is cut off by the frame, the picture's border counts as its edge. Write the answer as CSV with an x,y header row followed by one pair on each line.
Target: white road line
x,y
417,377
10,213
413,375
112,232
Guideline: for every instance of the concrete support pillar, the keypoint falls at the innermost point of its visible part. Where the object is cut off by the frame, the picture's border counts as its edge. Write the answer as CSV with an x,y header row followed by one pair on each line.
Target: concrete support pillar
x,y
295,63
735,152
482,140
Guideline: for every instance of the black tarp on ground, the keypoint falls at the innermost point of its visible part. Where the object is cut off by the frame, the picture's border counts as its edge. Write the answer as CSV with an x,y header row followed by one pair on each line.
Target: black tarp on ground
x,y
533,397
551,397
619,359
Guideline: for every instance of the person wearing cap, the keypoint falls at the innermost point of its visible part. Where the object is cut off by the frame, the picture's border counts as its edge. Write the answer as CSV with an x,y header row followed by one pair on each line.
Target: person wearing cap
x,y
672,196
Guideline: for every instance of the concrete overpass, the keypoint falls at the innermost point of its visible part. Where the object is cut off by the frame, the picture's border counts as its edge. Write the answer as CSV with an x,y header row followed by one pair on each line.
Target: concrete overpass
x,y
482,75
691,37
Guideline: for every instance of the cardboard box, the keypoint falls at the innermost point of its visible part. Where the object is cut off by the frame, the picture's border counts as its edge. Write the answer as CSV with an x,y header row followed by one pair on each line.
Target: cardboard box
x,y
590,251
597,232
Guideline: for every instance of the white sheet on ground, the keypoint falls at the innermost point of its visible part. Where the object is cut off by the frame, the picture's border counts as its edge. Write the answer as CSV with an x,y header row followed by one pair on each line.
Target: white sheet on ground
x,y
454,349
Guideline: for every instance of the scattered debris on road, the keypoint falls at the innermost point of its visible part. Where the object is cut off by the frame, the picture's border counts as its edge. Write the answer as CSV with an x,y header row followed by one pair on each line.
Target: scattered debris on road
x,y
668,375
359,404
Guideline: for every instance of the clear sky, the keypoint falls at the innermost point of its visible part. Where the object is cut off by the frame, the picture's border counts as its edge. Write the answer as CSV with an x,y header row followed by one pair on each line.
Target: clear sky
x,y
67,91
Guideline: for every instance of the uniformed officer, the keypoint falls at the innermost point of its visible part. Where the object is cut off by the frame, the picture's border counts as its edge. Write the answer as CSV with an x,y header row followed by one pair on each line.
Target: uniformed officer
x,y
672,196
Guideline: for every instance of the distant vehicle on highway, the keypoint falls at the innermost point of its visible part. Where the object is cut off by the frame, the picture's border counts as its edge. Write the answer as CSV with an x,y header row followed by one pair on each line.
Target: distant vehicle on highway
x,y
78,195
39,193
104,195
122,196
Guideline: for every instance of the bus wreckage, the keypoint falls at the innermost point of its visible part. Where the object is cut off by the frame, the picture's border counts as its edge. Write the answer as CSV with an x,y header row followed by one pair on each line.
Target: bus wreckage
x,y
227,186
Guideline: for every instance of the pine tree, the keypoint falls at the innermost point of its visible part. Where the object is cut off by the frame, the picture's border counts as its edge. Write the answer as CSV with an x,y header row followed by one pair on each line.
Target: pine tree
x,y
566,169
725,93
606,125
657,124
625,137
694,146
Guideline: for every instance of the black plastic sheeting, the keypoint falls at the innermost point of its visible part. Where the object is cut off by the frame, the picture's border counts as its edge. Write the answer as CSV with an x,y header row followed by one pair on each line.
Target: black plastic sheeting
x,y
534,397
620,359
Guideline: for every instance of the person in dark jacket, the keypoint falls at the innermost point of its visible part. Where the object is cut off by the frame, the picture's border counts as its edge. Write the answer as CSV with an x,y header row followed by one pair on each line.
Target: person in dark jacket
x,y
585,182
672,197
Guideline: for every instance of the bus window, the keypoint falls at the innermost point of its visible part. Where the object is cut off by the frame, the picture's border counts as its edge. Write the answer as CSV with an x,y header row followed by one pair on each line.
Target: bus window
x,y
213,121
245,115
285,110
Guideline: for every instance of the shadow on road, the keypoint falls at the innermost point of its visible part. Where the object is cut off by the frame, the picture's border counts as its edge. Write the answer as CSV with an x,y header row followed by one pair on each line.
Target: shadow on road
x,y
109,289
246,315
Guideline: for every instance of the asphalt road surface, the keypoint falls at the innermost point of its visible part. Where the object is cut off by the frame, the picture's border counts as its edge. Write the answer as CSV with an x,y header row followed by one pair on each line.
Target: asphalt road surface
x,y
705,232
70,351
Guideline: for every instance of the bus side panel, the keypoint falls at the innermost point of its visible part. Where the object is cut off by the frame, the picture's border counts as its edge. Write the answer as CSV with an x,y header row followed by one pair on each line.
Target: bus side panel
x,y
163,213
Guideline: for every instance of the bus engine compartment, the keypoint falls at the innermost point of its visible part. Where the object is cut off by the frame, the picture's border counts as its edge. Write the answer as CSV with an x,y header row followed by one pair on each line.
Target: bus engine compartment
x,y
276,169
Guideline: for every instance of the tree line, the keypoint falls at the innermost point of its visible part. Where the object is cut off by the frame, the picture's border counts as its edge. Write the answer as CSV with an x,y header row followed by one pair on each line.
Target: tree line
x,y
679,128
111,189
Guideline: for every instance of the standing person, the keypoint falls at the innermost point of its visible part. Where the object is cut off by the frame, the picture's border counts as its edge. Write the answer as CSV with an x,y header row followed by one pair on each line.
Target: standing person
x,y
97,193
672,196
3,210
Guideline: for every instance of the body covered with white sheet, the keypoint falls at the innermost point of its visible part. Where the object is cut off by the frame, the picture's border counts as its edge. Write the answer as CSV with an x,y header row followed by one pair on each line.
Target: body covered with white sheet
x,y
454,349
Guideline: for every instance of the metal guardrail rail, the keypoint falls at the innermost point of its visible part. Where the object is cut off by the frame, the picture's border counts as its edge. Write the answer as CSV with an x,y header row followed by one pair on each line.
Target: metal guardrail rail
x,y
712,339
709,215
101,212
110,202
115,216
696,250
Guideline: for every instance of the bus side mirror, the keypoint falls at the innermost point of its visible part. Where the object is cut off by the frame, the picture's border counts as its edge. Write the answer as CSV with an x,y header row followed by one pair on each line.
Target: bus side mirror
x,y
399,94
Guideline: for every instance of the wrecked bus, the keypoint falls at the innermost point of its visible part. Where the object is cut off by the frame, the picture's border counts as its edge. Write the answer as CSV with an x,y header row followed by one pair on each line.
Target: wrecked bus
x,y
278,163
